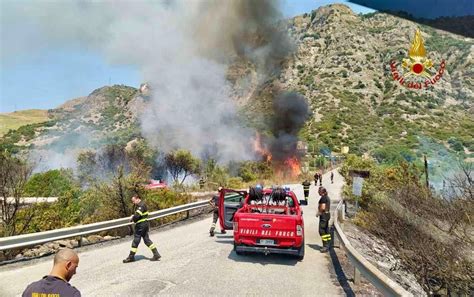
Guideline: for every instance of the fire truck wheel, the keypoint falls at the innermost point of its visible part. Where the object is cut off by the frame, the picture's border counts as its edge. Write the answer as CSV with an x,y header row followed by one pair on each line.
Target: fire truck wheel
x,y
237,252
301,252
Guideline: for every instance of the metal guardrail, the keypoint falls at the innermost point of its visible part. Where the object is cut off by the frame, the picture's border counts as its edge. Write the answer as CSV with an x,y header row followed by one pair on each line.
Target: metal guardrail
x,y
386,286
26,240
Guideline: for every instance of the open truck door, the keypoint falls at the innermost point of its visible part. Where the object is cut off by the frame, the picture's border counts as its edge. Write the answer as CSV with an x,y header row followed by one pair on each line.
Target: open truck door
x,y
229,202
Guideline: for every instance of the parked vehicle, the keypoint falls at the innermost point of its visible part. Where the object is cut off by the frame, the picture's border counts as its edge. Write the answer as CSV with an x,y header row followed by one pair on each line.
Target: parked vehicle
x,y
270,223
155,184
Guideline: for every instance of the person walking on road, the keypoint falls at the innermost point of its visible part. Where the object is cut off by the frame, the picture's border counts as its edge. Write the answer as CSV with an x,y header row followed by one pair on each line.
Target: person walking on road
x,y
316,178
306,184
142,226
332,177
324,214
57,283
214,202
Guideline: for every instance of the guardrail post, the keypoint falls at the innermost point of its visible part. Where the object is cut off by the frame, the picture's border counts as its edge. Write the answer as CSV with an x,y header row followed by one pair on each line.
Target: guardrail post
x,y
187,214
79,244
342,212
356,276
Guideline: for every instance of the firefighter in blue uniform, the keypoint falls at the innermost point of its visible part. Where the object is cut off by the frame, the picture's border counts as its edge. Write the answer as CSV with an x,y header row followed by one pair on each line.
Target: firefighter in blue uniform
x,y
142,226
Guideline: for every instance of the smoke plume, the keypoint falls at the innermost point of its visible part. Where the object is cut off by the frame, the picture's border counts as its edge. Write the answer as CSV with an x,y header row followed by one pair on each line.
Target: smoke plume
x,y
182,48
291,112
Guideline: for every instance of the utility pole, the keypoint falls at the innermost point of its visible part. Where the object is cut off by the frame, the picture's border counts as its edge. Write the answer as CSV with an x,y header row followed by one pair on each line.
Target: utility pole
x,y
426,172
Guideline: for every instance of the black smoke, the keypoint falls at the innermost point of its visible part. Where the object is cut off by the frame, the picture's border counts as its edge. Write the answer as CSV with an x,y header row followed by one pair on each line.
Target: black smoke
x,y
291,111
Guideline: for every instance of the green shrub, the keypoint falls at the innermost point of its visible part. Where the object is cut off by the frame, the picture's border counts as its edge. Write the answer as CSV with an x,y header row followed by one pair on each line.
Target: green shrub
x,y
52,183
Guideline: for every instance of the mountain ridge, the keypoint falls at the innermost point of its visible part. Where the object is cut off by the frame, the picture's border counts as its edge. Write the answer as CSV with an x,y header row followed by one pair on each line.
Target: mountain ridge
x,y
342,66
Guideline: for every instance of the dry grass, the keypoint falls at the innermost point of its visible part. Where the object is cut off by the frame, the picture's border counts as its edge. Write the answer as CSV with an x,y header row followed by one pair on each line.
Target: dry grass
x,y
14,120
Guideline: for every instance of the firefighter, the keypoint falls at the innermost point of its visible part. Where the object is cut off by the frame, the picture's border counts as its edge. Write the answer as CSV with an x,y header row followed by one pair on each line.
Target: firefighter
x,y
316,177
214,202
324,207
140,218
306,184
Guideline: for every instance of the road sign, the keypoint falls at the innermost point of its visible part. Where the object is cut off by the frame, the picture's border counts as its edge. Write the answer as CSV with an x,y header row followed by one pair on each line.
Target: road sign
x,y
357,183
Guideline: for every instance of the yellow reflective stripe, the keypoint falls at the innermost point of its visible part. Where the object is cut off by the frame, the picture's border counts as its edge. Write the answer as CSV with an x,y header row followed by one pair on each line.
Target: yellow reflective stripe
x,y
142,220
142,213
326,237
134,249
152,246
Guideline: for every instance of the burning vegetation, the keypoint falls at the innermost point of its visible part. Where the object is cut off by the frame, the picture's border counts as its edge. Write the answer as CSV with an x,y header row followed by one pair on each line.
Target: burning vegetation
x,y
290,112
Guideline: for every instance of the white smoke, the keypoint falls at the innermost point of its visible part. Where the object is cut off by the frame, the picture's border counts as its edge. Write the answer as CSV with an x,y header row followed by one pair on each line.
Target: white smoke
x,y
181,48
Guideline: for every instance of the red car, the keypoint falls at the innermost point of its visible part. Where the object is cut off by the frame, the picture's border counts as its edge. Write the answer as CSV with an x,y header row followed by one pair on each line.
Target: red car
x,y
156,184
265,225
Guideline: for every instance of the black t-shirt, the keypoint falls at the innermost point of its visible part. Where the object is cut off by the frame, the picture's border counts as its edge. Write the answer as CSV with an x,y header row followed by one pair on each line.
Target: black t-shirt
x,y
325,199
51,286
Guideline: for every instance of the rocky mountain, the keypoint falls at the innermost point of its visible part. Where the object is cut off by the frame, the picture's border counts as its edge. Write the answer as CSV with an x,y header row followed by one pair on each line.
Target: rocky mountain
x,y
341,65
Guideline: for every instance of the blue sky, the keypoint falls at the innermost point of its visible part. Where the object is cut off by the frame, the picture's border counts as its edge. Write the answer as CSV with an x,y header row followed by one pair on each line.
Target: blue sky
x,y
47,76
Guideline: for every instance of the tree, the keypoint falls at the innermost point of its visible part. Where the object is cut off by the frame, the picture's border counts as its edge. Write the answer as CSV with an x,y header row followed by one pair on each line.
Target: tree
x,y
14,174
86,167
141,159
52,183
181,163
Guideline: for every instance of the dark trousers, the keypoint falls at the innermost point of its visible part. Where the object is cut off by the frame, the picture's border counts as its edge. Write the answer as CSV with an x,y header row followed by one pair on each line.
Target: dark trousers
x,y
306,193
324,229
141,231
215,216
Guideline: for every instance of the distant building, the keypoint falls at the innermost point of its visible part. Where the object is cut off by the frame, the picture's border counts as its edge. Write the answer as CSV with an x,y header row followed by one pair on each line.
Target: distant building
x,y
302,147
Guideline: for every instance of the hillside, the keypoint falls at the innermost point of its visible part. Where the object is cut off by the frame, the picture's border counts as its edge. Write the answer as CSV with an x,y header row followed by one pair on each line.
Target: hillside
x,y
342,66
107,115
16,119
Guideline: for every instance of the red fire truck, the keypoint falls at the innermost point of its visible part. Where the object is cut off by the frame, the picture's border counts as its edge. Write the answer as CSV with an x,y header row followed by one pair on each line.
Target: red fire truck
x,y
269,223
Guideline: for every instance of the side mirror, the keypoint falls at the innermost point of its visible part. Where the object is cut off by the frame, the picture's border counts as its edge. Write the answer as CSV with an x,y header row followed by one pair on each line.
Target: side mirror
x,y
303,202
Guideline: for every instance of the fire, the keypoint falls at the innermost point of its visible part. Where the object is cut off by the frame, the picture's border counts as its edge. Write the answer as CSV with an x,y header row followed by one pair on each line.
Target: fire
x,y
293,164
284,169
260,149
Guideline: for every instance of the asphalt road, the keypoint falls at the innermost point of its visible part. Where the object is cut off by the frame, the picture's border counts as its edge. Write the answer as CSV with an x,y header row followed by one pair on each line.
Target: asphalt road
x,y
194,264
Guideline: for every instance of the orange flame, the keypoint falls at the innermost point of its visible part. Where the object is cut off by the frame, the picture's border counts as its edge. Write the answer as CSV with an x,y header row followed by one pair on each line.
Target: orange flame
x,y
290,168
260,149
294,166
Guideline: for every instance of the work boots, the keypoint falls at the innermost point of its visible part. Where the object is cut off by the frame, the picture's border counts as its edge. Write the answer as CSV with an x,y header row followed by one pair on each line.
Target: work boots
x,y
156,255
130,258
211,233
